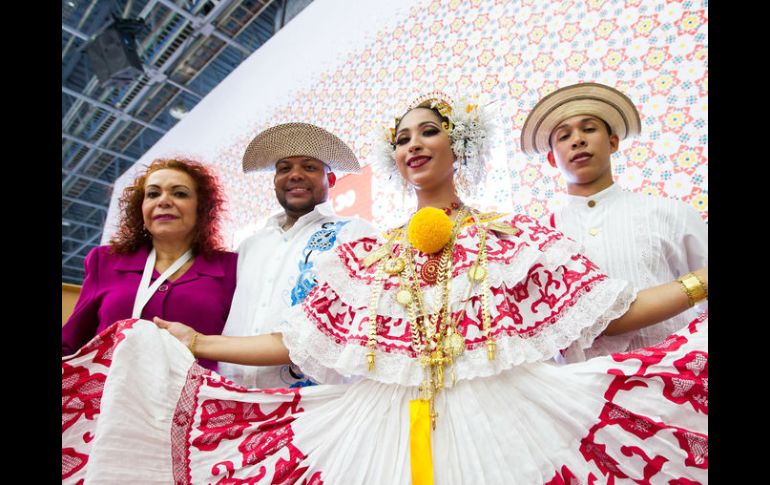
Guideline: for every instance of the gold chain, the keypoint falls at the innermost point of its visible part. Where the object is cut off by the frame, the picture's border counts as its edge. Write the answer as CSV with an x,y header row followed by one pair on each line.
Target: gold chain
x,y
374,300
434,334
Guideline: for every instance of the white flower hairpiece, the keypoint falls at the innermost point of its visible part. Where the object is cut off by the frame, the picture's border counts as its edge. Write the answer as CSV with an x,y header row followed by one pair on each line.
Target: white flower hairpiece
x,y
469,127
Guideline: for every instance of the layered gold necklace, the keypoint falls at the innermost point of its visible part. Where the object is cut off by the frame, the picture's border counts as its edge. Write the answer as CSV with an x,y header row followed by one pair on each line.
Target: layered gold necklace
x,y
434,336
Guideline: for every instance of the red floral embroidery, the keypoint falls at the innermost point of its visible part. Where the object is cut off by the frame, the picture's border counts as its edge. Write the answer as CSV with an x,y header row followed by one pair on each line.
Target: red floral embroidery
x,y
652,355
597,453
683,481
229,469
71,462
82,388
696,446
105,342
566,477
227,420
269,438
687,386
640,426
691,384
541,298
653,465
259,434
81,394
693,326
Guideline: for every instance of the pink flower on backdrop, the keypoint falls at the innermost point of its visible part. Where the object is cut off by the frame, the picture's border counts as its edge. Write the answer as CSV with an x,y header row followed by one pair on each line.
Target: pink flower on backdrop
x,y
569,31
644,26
613,59
691,21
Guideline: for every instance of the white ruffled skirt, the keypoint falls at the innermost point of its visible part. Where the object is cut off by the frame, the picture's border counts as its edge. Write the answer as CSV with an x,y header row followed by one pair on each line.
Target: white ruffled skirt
x,y
136,409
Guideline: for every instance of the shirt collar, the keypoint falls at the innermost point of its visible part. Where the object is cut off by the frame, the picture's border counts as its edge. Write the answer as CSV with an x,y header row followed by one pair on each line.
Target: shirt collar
x,y
609,193
321,210
136,261
204,265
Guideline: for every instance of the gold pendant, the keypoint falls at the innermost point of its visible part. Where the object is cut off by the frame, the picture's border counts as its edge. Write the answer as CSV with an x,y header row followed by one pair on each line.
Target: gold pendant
x,y
375,256
430,269
491,349
404,297
394,265
504,228
454,344
476,273
426,391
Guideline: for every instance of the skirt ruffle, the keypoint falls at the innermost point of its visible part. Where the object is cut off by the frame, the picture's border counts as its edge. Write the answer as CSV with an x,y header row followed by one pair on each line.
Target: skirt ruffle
x,y
136,408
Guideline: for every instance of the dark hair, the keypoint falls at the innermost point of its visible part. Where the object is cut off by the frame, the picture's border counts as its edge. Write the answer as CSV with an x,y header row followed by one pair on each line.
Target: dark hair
x,y
607,125
131,234
425,105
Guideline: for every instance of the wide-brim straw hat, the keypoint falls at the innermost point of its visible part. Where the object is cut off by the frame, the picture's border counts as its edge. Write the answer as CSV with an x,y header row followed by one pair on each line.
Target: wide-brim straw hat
x,y
593,99
298,140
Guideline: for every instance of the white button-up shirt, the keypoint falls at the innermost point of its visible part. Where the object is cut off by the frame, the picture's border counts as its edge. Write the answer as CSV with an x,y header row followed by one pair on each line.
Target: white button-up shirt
x,y
276,270
643,239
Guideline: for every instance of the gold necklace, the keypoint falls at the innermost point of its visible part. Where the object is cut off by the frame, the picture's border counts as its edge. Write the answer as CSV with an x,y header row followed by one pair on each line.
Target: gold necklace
x,y
434,336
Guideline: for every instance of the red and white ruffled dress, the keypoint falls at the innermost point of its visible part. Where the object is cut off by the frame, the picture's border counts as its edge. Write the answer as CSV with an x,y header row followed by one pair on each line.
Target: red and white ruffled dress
x,y
137,409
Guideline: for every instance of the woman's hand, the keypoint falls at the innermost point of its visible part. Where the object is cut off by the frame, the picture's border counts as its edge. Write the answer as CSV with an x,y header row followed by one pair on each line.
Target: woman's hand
x,y
265,349
182,332
659,303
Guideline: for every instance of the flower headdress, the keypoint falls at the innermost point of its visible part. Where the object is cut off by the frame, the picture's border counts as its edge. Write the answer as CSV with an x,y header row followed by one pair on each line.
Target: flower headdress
x,y
469,126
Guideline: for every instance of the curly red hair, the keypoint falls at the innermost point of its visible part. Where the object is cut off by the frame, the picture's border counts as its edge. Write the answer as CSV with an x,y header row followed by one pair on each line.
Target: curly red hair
x,y
131,234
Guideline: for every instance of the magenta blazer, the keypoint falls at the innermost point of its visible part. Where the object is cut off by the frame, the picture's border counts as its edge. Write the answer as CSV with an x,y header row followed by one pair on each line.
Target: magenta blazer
x,y
200,298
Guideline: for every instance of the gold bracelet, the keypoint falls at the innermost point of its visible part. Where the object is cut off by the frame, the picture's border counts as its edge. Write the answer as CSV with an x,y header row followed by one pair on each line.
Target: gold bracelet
x,y
694,288
191,345
705,287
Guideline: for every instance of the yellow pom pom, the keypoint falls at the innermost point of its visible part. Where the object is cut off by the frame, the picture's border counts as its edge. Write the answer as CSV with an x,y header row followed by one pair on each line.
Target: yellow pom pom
x,y
429,230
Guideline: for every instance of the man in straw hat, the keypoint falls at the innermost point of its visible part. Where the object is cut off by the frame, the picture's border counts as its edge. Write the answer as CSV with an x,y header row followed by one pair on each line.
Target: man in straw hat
x,y
643,239
276,264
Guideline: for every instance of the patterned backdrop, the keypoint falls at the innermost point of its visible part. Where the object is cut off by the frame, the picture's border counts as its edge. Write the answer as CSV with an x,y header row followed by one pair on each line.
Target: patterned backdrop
x,y
512,53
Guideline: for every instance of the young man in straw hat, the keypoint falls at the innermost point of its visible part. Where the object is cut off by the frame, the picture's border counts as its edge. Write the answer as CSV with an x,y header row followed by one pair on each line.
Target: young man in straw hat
x,y
276,267
644,239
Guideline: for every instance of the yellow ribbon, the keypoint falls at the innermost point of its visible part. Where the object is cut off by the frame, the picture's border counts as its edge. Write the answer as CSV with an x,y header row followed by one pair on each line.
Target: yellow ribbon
x,y
420,456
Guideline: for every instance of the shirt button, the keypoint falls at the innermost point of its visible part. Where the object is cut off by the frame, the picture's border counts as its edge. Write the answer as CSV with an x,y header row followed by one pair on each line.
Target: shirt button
x,y
591,203
163,287
594,231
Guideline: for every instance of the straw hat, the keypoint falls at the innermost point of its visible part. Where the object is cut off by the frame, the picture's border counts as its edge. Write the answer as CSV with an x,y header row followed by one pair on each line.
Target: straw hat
x,y
297,140
593,99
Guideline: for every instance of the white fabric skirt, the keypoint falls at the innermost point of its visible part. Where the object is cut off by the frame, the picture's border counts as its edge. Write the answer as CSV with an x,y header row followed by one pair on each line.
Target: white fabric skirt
x,y
137,409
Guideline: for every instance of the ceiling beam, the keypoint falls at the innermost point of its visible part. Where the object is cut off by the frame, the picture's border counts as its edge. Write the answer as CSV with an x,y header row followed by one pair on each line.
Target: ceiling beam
x,y
138,98
75,32
74,253
95,146
89,178
84,202
122,115
84,224
203,26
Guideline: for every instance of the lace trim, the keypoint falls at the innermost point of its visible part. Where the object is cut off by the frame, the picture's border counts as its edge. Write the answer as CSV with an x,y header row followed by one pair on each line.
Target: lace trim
x,y
326,360
336,275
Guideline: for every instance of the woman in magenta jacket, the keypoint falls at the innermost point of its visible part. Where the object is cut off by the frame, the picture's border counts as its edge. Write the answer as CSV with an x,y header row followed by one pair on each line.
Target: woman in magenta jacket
x,y
165,260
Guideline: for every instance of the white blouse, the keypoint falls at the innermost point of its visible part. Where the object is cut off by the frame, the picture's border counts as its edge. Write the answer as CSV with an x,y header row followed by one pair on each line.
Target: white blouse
x,y
276,269
643,239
